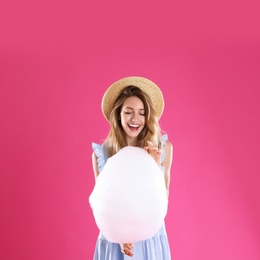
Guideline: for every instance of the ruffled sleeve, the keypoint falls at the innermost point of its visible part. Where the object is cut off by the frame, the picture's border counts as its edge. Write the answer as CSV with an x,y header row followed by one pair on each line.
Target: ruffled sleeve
x,y
164,138
101,154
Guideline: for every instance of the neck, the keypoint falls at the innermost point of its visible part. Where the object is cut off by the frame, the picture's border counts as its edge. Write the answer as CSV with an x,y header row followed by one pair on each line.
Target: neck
x,y
132,142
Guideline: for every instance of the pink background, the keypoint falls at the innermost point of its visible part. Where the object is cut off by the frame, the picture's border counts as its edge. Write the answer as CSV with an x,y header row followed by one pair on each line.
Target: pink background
x,y
57,59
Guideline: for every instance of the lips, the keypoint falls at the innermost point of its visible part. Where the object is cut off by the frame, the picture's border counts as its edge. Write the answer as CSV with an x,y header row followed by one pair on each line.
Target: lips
x,y
133,127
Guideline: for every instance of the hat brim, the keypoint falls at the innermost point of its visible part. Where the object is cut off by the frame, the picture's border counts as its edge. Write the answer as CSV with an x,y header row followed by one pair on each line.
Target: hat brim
x,y
146,85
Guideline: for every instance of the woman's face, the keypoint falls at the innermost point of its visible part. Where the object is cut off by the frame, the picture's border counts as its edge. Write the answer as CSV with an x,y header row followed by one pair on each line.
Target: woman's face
x,y
132,117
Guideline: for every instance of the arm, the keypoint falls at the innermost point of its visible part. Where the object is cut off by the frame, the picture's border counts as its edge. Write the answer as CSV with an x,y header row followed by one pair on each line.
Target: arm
x,y
125,248
95,165
167,163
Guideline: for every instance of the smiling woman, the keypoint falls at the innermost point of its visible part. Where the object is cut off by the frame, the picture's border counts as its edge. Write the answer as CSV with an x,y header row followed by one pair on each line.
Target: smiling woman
x,y
133,107
145,107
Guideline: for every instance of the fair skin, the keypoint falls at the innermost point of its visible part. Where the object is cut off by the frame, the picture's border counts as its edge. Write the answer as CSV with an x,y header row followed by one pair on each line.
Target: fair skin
x,y
133,121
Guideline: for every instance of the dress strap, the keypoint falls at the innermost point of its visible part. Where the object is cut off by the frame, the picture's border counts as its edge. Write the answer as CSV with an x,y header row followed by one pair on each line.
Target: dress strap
x,y
163,140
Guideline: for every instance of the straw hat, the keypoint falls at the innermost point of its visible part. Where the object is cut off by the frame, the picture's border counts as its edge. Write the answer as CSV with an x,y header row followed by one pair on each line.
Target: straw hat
x,y
146,85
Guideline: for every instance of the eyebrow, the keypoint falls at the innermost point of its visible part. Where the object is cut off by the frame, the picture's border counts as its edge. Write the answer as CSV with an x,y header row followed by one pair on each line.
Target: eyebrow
x,y
133,109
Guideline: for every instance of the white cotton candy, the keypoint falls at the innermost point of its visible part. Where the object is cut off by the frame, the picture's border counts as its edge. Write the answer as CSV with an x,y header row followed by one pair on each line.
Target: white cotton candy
x,y
129,200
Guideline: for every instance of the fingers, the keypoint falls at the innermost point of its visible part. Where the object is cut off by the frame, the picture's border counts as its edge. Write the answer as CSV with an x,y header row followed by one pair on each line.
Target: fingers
x,y
150,143
154,152
127,249
150,148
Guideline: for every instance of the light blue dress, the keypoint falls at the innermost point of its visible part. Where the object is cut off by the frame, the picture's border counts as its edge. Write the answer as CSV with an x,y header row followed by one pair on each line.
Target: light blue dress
x,y
155,248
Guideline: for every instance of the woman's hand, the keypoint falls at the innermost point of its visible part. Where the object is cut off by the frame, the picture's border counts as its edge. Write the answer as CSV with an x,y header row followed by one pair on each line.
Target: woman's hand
x,y
154,152
127,249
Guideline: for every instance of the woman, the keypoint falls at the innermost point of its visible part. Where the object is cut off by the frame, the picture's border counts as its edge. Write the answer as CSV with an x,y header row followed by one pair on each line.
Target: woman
x,y
133,106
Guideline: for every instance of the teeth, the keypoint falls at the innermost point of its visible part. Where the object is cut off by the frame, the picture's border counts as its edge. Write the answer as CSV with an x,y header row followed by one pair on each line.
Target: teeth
x,y
133,125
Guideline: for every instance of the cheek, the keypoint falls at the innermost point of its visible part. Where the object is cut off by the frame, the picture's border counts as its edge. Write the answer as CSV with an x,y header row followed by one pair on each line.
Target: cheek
x,y
124,118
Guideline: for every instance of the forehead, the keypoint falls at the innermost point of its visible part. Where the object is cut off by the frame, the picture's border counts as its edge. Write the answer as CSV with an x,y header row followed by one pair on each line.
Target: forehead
x,y
133,102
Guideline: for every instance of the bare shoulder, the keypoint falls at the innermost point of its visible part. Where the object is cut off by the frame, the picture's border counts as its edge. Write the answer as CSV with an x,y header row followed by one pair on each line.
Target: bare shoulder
x,y
168,147
94,157
94,164
167,163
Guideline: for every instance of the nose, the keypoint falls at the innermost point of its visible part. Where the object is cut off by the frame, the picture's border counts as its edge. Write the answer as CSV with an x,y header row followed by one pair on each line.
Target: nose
x,y
133,117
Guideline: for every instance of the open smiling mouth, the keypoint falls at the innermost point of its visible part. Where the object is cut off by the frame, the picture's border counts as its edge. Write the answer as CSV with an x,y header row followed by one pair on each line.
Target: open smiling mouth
x,y
133,127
